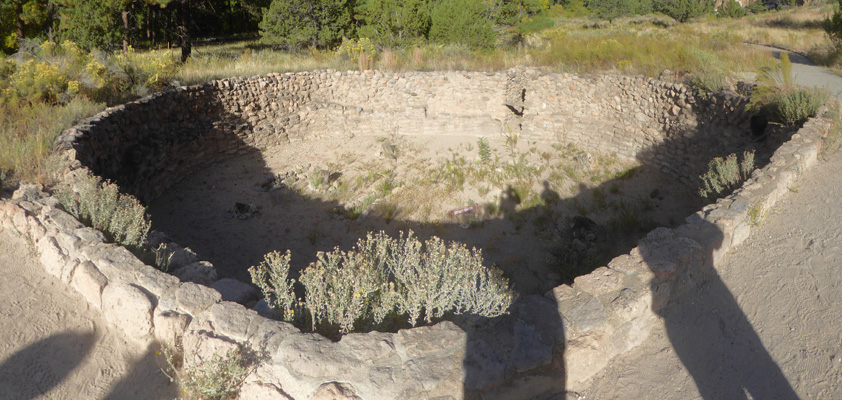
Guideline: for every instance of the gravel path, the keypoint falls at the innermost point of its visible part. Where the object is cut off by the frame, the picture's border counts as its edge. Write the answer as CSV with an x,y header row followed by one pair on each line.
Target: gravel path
x,y
768,326
54,346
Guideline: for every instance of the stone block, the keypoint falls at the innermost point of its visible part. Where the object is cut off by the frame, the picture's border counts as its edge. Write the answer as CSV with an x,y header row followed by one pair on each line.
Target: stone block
x,y
335,391
115,262
201,345
155,281
662,269
741,233
427,340
584,356
68,270
236,291
586,316
128,308
261,391
169,326
201,272
601,281
233,320
36,229
89,282
195,298
51,257
61,220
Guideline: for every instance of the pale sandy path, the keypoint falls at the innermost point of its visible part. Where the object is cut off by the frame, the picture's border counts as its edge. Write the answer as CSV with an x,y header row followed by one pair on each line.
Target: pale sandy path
x,y
787,280
54,346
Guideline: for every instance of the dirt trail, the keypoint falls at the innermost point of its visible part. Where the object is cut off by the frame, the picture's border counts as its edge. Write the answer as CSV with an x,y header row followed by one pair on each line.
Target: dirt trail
x,y
54,346
777,336
786,281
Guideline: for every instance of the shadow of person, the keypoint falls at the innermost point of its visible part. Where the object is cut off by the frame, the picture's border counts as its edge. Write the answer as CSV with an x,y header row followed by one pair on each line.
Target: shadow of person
x,y
38,368
509,200
549,195
146,379
709,332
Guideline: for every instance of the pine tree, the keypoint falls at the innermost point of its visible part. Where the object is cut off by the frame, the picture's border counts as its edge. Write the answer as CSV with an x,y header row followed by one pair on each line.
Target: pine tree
x,y
317,23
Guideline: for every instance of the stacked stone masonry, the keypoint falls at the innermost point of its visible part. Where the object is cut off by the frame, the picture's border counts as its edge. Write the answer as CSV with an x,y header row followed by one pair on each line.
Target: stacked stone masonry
x,y
149,145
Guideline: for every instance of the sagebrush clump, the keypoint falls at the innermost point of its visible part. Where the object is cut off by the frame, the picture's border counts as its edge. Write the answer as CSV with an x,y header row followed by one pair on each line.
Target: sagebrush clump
x,y
383,283
724,175
100,205
782,98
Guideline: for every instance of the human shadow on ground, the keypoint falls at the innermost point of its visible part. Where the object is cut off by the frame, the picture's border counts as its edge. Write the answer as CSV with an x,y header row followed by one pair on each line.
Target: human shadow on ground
x,y
41,366
529,341
145,375
708,330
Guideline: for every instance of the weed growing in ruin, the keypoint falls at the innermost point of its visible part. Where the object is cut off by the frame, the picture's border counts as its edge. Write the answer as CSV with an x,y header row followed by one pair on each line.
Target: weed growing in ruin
x,y
833,138
724,175
99,204
382,281
755,215
219,378
484,150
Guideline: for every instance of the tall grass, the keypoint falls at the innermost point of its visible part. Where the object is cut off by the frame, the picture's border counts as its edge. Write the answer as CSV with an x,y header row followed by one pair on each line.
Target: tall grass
x,y
27,133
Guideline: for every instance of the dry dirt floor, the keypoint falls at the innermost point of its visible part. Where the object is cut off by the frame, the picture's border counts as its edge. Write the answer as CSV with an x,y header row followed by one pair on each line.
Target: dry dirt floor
x,y
319,194
53,345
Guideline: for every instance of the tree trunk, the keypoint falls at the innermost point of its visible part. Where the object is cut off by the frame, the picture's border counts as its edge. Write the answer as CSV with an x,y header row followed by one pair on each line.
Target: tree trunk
x,y
18,19
126,31
184,30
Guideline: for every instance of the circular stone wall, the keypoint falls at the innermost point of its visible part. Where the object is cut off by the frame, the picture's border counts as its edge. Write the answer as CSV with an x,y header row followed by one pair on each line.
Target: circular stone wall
x,y
149,145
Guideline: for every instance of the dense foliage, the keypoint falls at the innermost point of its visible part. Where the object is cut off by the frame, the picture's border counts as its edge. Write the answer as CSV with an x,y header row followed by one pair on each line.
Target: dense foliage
x,y
384,283
110,25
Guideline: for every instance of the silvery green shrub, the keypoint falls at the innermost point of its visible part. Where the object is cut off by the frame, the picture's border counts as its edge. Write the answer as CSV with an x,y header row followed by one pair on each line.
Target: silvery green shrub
x,y
383,279
100,204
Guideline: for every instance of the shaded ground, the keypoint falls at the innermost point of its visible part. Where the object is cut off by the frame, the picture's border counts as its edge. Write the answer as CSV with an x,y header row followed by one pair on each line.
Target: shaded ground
x,y
54,346
786,281
525,196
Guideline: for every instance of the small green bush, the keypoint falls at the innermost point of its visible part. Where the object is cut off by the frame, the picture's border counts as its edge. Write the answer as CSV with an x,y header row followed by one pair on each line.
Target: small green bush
x,y
219,378
833,27
724,175
731,9
786,102
382,281
794,106
100,205
684,10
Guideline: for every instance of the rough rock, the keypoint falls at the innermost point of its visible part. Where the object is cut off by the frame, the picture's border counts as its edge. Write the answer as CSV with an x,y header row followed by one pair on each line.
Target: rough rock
x,y
236,291
129,309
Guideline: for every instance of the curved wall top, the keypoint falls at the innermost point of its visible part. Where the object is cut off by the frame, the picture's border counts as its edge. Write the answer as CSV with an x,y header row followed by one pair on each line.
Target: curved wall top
x,y
148,145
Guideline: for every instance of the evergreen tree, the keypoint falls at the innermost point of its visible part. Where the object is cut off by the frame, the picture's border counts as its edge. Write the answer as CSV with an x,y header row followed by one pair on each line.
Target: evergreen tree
x,y
462,21
393,23
317,23
685,10
91,24
612,9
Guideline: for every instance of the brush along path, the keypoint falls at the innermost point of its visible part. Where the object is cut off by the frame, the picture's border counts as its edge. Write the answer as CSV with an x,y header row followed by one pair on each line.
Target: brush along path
x,y
54,346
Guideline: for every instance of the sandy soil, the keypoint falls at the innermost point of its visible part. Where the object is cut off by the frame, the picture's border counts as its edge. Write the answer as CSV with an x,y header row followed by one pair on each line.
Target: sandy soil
x,y
54,346
411,183
768,325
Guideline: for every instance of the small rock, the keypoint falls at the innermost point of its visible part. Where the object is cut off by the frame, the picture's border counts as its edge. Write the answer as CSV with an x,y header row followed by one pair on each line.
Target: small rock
x,y
201,272
235,291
